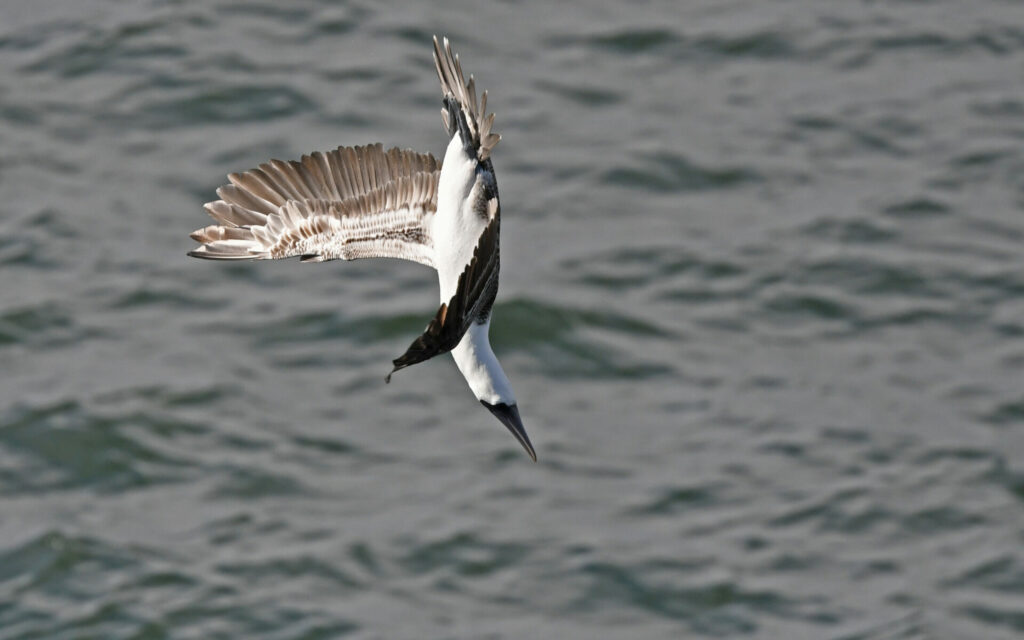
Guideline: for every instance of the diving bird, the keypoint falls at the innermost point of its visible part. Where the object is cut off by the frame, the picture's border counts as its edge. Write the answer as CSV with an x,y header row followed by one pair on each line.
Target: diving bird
x,y
365,202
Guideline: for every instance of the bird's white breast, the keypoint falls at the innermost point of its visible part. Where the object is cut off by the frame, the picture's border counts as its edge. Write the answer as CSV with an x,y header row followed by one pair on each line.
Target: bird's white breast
x,y
457,226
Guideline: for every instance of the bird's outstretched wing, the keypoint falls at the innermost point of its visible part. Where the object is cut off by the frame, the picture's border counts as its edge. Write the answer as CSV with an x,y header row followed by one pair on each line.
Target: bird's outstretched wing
x,y
350,203
477,288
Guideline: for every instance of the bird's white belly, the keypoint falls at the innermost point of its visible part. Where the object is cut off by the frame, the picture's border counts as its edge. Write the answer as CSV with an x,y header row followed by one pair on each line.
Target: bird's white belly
x,y
457,227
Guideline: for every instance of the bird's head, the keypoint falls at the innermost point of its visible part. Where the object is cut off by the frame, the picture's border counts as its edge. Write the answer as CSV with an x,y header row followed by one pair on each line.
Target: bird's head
x,y
508,414
489,383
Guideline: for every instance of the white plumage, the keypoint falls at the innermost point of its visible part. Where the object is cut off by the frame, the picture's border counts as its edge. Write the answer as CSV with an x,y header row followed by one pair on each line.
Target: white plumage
x,y
364,202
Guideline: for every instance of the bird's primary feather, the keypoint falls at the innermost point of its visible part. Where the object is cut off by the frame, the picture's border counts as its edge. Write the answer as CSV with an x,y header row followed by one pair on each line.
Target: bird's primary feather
x,y
350,203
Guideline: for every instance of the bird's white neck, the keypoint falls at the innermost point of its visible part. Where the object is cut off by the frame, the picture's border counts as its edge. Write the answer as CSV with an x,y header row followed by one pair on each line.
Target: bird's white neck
x,y
480,367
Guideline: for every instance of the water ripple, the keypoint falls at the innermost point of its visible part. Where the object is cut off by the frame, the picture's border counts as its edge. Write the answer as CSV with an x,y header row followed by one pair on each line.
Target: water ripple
x,y
65,446
709,606
228,104
107,52
763,300
59,569
40,326
465,555
668,172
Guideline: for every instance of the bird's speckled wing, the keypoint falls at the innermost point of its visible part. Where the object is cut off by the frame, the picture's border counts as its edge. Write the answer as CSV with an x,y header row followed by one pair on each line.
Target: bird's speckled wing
x,y
350,203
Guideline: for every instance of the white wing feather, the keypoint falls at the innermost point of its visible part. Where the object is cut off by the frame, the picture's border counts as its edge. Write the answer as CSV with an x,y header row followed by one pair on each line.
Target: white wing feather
x,y
350,203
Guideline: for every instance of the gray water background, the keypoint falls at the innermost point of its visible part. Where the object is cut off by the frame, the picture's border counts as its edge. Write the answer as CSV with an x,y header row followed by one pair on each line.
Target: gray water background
x,y
762,303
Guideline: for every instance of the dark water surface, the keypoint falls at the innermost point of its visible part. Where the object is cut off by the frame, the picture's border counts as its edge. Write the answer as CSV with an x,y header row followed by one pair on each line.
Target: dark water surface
x,y
762,303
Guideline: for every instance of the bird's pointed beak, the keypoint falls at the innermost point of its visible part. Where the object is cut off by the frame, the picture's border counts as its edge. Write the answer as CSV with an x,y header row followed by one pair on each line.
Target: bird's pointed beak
x,y
509,416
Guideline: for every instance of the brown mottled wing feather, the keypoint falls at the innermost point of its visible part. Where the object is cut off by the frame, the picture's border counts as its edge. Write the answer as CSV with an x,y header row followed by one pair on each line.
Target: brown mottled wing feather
x,y
350,203
473,297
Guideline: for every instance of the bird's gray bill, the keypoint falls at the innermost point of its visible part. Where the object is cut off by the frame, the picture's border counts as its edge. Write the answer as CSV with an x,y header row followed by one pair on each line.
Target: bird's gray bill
x,y
509,416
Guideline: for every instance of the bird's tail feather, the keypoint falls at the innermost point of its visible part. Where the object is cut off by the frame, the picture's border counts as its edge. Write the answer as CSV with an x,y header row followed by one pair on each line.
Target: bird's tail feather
x,y
472,115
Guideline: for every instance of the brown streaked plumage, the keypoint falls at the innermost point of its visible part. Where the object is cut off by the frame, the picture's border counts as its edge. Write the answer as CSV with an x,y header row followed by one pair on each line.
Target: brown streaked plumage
x,y
353,202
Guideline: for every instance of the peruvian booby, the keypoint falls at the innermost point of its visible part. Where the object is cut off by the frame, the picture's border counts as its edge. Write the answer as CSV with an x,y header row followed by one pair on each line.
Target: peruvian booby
x,y
365,202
